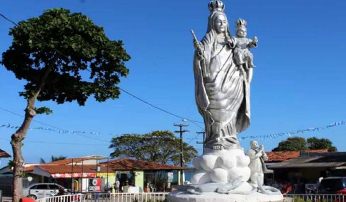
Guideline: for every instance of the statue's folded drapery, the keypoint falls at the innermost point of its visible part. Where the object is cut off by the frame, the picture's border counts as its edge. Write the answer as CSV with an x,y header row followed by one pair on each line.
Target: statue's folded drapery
x,y
222,93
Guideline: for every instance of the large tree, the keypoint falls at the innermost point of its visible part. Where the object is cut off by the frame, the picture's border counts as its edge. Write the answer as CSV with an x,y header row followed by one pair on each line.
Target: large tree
x,y
320,143
63,57
53,158
292,144
299,143
158,146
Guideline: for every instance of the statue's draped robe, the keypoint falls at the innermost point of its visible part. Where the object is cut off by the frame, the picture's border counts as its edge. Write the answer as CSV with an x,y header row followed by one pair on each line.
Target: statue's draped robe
x,y
222,93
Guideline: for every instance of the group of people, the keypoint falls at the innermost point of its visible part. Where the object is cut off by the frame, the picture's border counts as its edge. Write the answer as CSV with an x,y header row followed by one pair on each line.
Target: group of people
x,y
297,187
128,188
115,188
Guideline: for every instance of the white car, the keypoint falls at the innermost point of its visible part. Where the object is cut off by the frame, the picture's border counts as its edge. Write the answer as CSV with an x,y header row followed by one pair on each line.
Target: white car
x,y
41,190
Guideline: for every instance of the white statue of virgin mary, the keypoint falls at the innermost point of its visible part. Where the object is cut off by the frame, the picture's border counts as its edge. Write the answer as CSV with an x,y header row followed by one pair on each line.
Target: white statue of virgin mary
x,y
221,88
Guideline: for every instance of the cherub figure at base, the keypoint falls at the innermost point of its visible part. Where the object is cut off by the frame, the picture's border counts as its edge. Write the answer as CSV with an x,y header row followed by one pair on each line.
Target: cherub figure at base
x,y
257,165
242,55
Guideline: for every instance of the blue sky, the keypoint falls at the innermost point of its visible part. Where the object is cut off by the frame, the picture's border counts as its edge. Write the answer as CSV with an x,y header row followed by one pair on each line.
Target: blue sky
x,y
299,80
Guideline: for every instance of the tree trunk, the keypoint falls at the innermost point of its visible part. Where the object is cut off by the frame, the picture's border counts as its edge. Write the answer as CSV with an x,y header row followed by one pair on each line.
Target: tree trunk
x,y
18,137
17,142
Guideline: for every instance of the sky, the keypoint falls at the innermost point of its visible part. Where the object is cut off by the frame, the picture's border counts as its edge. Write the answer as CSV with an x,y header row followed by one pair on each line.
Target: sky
x,y
299,78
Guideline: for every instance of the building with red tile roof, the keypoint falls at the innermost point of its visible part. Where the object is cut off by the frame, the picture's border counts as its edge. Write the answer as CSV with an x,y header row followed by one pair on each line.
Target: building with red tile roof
x,y
306,166
83,170
279,156
132,164
88,166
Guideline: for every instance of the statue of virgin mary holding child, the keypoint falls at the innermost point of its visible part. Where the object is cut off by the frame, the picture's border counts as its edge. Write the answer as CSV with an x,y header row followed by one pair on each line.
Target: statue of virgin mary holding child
x,y
221,86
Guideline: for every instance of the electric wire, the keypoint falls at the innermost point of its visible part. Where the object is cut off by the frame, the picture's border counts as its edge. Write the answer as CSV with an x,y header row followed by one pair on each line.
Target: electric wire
x,y
196,123
7,19
58,143
184,118
50,125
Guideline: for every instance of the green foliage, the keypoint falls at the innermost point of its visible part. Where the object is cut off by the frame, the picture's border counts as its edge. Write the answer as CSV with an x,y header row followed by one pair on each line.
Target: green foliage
x,y
77,55
158,146
323,143
43,110
292,144
57,158
299,143
10,164
299,199
53,158
42,161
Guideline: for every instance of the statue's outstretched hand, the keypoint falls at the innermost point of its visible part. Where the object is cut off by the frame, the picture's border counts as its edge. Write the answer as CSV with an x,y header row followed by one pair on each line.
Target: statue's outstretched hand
x,y
198,47
231,42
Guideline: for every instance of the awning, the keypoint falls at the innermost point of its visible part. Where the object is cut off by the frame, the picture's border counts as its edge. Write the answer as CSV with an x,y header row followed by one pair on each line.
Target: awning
x,y
305,165
73,175
340,168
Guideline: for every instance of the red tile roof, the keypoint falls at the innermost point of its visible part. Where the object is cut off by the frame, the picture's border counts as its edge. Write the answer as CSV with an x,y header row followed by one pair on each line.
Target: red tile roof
x,y
65,166
70,169
132,164
69,161
4,154
30,167
278,156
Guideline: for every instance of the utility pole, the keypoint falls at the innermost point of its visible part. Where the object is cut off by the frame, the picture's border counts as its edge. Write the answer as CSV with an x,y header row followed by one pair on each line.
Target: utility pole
x,y
108,187
203,132
72,185
181,131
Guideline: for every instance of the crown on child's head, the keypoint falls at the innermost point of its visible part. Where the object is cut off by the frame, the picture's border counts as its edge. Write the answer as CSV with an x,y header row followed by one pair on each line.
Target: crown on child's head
x,y
216,5
241,23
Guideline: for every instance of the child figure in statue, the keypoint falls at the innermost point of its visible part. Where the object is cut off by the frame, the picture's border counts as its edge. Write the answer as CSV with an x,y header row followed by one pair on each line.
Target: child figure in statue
x,y
242,55
257,166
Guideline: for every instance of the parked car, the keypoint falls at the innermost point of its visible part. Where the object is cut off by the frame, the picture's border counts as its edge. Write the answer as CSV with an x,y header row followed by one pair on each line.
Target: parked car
x,y
40,190
333,185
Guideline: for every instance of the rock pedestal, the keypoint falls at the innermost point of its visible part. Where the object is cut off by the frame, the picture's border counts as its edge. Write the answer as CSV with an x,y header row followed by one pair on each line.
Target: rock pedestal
x,y
223,175
221,166
215,197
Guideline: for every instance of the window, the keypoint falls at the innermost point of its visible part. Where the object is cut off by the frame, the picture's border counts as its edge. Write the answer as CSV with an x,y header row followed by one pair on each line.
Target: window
x,y
33,187
54,186
42,186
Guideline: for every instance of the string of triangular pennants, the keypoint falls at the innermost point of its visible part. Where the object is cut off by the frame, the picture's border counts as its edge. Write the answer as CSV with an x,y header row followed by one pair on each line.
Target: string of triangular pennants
x,y
296,132
272,135
60,131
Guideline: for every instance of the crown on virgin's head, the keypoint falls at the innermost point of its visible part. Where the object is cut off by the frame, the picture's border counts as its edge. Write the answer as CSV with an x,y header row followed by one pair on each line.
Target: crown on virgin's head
x,y
241,23
216,5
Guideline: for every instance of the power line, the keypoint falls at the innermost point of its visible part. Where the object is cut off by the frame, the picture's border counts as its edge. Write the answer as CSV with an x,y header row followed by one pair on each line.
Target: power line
x,y
136,97
37,121
275,135
297,132
61,143
7,19
58,129
161,109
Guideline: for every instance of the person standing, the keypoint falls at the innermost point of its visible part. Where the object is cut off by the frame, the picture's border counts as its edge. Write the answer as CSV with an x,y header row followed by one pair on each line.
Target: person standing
x,y
117,186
